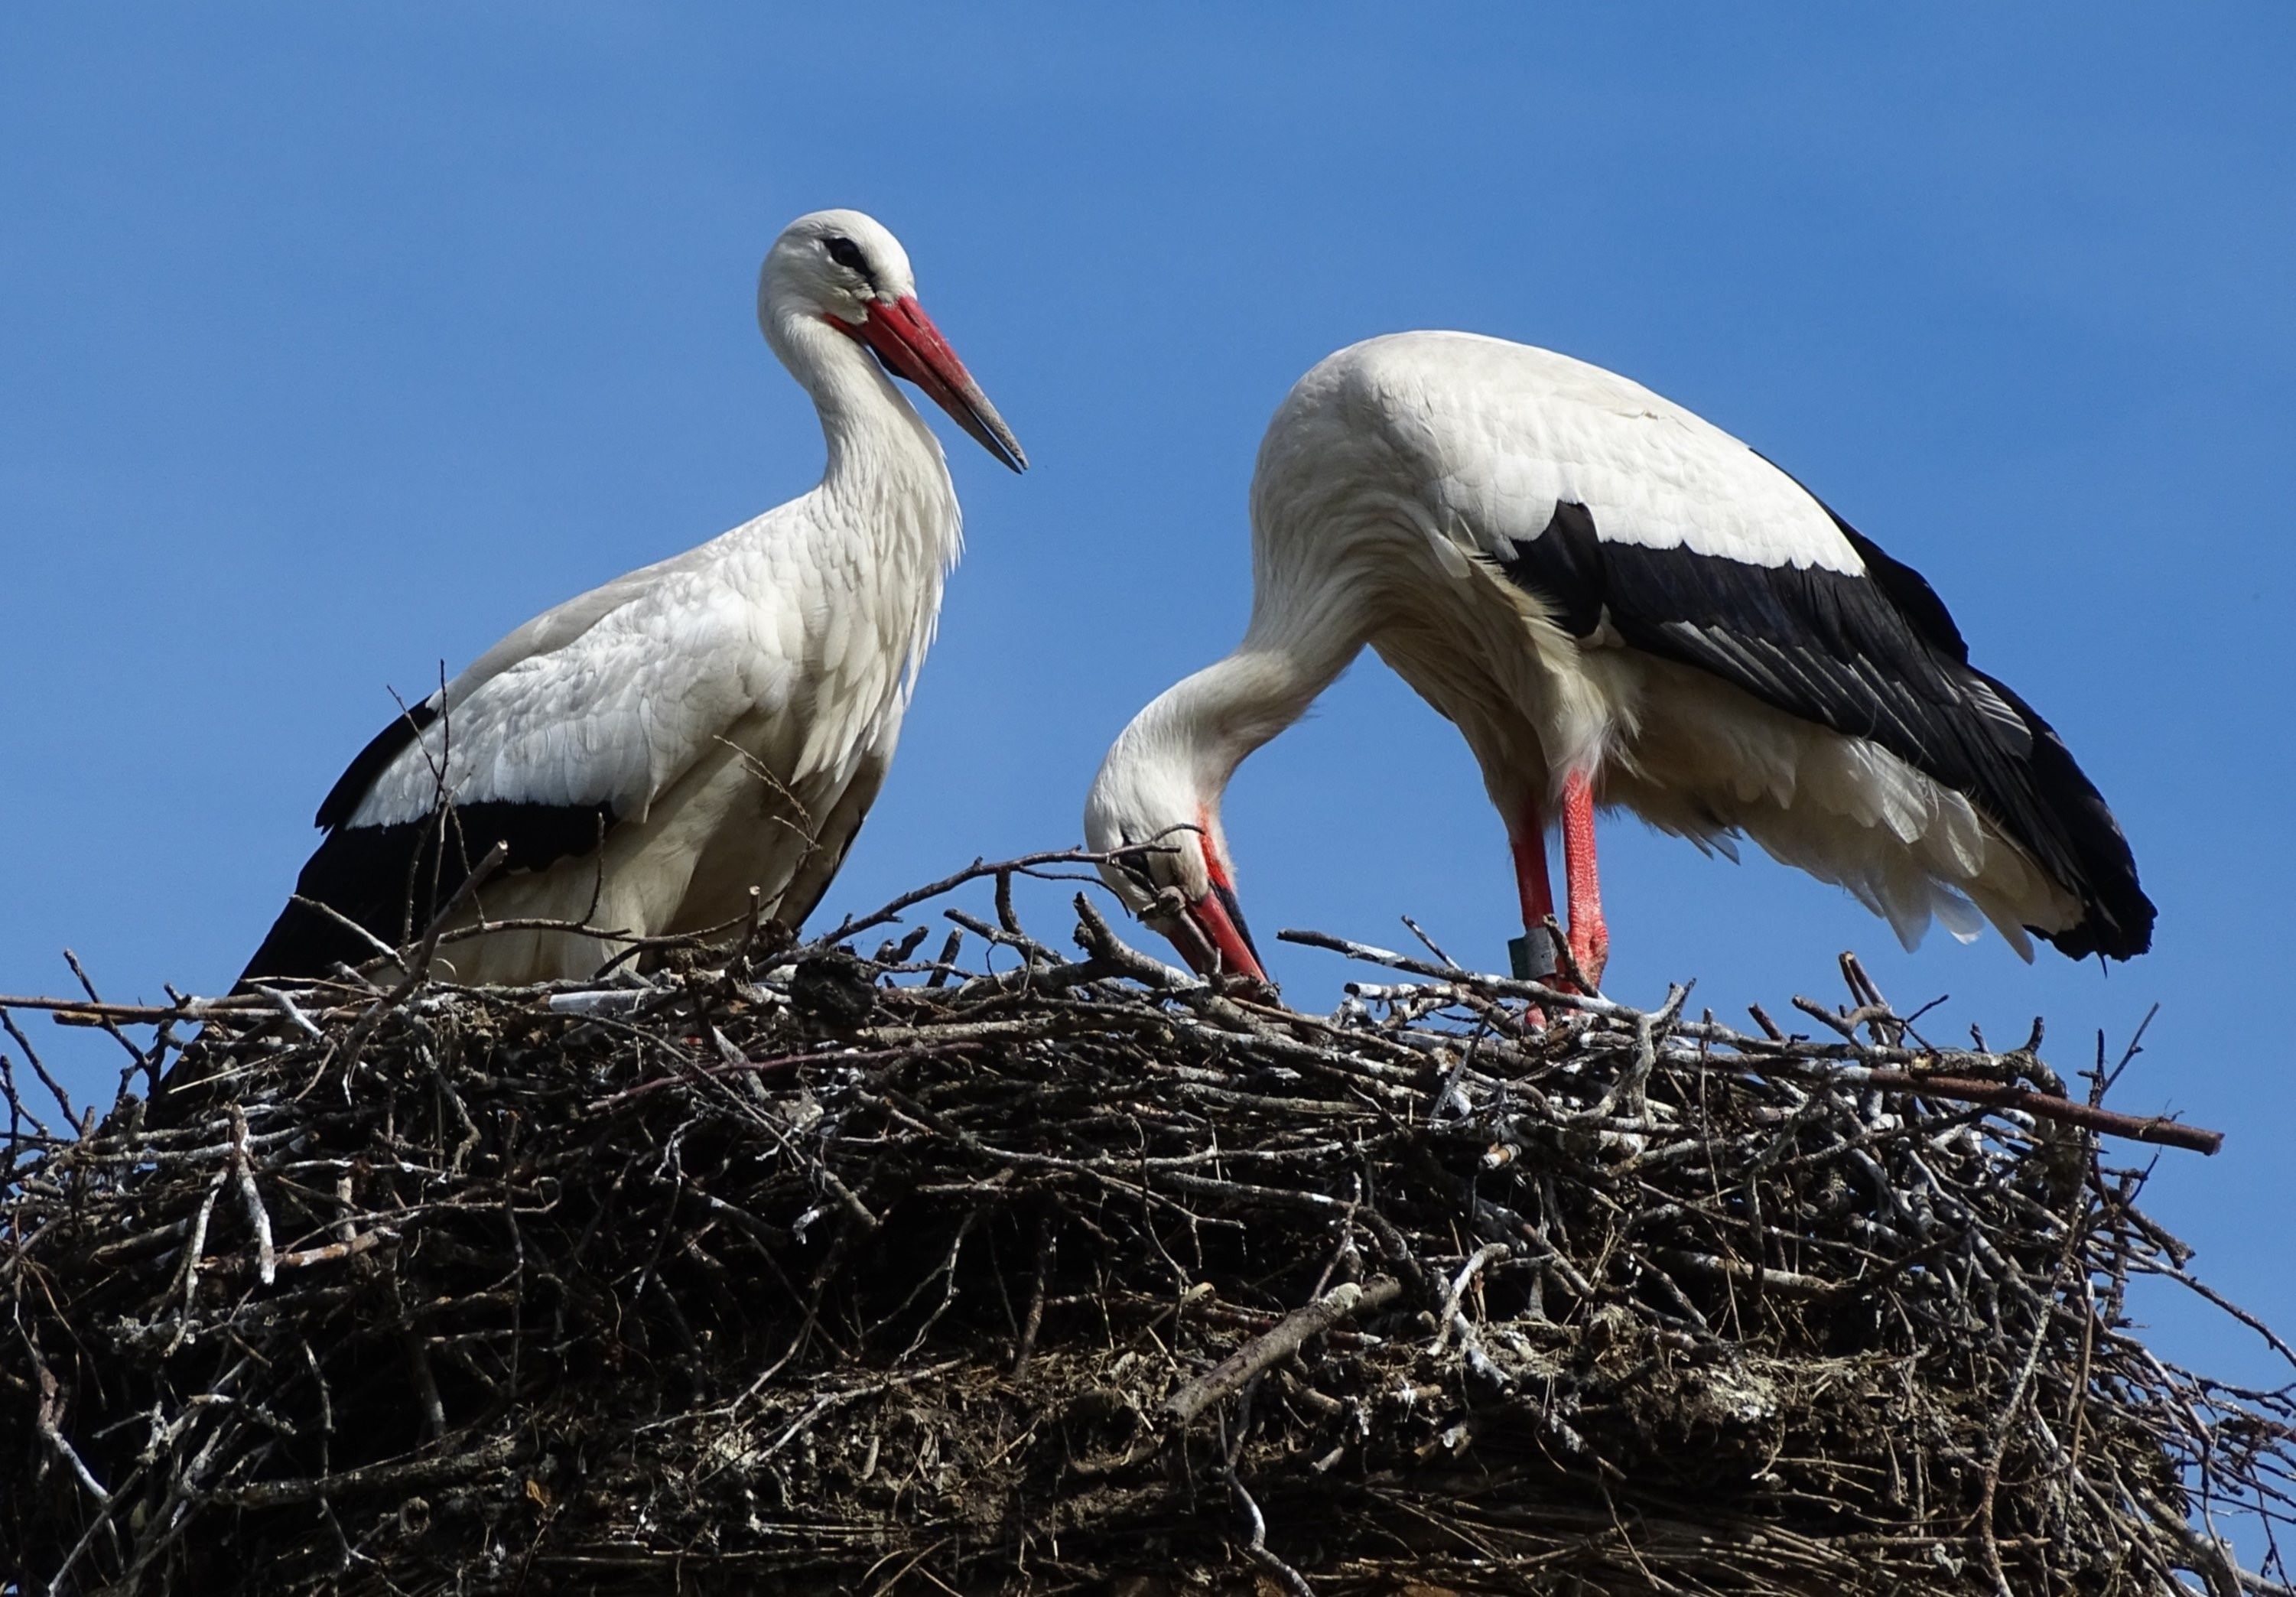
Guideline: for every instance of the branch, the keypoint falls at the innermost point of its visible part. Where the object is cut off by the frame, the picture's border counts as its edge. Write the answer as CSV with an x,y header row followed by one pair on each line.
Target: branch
x,y
1289,1334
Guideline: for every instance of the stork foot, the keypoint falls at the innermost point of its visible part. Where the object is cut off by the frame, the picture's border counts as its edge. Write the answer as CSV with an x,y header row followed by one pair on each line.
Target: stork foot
x,y
1591,950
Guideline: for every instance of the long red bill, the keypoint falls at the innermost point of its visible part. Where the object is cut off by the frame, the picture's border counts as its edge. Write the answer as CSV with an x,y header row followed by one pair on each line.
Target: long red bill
x,y
1220,918
906,340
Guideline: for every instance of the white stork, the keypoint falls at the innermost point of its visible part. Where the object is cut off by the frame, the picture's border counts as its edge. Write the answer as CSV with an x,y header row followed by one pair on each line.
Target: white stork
x,y
1617,605
652,751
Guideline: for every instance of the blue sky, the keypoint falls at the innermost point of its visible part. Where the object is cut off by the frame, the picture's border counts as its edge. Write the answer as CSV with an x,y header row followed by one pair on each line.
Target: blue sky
x,y
339,339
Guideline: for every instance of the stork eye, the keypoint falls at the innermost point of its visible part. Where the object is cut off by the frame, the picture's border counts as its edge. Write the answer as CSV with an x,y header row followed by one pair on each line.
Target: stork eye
x,y
846,253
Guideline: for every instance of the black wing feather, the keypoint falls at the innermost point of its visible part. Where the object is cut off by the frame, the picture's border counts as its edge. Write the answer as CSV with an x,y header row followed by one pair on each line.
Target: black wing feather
x,y
391,878
350,789
1875,656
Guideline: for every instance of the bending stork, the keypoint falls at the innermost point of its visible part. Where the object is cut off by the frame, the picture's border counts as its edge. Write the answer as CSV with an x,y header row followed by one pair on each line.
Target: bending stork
x,y
1618,604
652,751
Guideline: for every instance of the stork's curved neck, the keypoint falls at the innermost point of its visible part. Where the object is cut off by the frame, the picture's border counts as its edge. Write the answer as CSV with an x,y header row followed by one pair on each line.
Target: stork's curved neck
x,y
1211,722
877,442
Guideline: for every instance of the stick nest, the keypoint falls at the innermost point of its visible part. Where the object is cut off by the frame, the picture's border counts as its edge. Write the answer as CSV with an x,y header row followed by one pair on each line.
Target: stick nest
x,y
808,1272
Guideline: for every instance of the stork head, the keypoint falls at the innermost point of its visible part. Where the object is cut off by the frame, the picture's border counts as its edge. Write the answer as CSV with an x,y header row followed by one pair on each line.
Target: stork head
x,y
843,268
1163,807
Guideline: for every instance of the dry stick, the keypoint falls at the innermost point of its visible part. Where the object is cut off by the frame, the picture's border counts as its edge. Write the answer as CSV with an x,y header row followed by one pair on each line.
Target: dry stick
x,y
1843,1026
382,949
327,1253
1256,1548
55,1087
107,1503
1564,958
418,967
380,1480
1289,1334
637,946
946,962
1490,1252
1824,1069
482,927
266,1257
1538,992
425,950
2202,1289
79,1012
846,1195
1030,949
94,996
20,1143
753,925
1025,865
295,1016
1433,947
1881,1020
2138,1128
51,1406
1035,1318
2142,1128
199,1240
1096,938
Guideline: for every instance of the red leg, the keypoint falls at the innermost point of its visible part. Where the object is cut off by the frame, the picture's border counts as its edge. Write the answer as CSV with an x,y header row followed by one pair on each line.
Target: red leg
x,y
1531,880
1533,956
1590,939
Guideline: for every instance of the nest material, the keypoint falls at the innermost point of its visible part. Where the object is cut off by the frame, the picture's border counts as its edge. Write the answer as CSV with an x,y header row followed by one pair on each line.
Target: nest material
x,y
813,1273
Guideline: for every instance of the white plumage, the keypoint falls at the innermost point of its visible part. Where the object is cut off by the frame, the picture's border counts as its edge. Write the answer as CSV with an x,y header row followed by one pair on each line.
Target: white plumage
x,y
1491,436
1617,604
654,750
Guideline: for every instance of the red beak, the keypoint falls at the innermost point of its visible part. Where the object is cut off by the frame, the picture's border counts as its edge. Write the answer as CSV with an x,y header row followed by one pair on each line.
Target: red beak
x,y
1220,918
906,340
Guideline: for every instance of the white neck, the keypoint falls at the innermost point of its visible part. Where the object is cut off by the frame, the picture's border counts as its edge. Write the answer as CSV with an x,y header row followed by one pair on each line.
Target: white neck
x,y
1209,723
877,442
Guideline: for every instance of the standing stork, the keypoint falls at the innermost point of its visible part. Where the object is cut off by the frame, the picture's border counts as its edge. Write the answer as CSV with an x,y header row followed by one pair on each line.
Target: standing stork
x,y
1617,605
650,752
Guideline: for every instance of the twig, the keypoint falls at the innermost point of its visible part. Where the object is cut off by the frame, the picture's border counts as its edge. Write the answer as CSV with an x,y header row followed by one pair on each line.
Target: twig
x,y
1026,863
1291,1334
1256,1546
258,1219
427,948
2140,1129
1490,1252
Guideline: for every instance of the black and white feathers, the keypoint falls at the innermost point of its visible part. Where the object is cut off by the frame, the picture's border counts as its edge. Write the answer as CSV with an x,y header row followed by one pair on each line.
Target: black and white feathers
x,y
649,752
390,880
1591,582
1871,655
